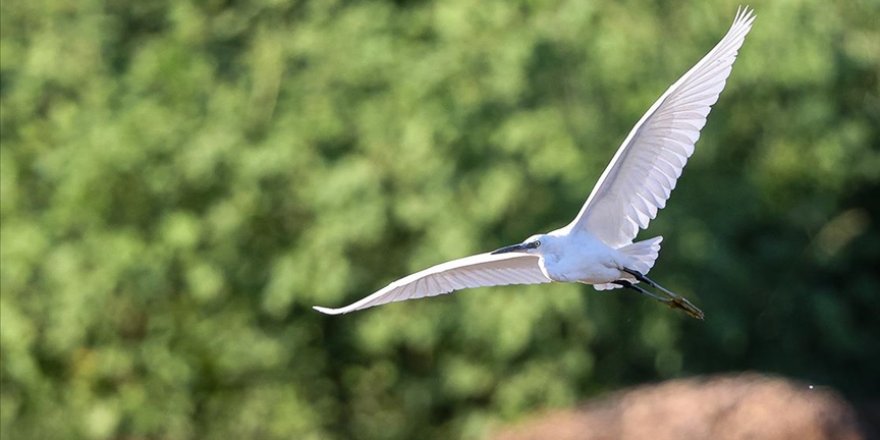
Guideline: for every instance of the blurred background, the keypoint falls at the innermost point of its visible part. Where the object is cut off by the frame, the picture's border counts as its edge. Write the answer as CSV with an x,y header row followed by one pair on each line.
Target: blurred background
x,y
180,181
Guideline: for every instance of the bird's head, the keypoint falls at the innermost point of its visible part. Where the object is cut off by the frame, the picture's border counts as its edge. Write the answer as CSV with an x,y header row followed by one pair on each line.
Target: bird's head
x,y
532,245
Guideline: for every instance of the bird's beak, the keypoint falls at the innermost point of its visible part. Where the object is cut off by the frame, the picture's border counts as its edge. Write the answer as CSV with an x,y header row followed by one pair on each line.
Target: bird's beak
x,y
512,248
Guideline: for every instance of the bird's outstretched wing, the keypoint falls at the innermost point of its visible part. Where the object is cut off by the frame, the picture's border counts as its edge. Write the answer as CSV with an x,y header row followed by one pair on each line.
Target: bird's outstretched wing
x,y
474,271
644,170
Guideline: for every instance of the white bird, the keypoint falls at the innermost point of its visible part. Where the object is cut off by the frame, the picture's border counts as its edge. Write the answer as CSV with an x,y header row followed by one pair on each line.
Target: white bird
x,y
597,246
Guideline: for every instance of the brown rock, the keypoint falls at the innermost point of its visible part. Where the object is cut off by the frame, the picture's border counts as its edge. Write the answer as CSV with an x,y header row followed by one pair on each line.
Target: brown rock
x,y
740,407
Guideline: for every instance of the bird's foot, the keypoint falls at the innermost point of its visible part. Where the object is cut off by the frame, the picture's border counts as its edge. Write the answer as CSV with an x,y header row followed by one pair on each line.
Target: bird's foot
x,y
681,303
671,298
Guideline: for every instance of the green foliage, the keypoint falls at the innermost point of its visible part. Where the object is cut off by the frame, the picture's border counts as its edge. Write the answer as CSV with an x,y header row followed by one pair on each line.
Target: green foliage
x,y
181,181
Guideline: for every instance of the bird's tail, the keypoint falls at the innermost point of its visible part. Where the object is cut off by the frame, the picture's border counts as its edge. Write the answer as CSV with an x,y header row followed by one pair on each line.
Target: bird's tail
x,y
643,254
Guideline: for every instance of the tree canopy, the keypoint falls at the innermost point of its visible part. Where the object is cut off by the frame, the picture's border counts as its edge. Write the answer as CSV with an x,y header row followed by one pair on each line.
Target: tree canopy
x,y
181,181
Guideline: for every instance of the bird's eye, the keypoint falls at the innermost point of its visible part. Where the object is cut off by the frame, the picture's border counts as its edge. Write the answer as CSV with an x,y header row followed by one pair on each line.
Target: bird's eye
x,y
537,243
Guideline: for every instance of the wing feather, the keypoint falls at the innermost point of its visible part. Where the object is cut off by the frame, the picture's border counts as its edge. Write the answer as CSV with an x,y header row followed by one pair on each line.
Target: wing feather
x,y
474,271
643,172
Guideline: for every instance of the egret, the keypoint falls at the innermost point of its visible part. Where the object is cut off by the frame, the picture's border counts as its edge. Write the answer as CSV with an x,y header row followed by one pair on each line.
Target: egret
x,y
597,247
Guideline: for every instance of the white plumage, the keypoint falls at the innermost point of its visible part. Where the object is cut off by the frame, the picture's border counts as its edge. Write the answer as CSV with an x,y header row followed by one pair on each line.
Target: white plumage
x,y
474,271
597,246
643,172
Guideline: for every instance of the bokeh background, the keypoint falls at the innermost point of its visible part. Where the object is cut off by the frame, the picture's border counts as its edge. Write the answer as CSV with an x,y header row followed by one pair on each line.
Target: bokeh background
x,y
180,181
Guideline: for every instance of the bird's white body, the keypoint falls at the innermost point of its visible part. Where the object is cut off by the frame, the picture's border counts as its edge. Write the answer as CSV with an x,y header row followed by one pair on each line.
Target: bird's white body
x,y
578,256
597,247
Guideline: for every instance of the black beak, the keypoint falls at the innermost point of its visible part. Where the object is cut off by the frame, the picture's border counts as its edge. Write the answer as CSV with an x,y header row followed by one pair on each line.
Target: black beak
x,y
512,248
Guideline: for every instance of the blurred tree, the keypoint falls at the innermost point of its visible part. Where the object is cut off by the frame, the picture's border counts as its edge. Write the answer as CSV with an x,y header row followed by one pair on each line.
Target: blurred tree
x,y
181,181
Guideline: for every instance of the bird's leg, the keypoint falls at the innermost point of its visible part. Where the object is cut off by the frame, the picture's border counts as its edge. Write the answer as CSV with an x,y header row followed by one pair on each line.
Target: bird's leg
x,y
632,286
644,278
675,303
675,300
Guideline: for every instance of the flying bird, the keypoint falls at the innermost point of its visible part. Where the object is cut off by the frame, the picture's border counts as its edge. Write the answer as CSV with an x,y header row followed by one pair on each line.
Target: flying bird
x,y
597,247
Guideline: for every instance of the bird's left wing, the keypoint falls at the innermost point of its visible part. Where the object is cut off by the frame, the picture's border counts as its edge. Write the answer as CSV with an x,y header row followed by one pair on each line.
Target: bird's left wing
x,y
474,271
643,172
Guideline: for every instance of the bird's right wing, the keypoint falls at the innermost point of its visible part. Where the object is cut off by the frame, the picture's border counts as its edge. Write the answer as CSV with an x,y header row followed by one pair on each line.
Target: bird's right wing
x,y
474,271
644,170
